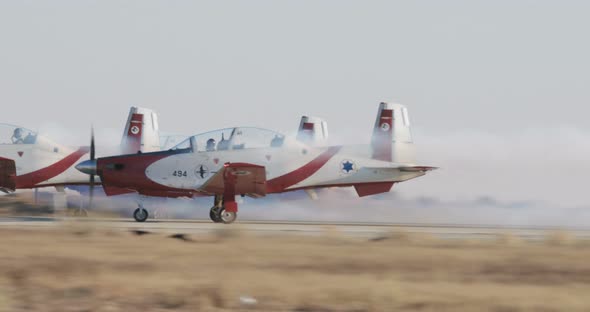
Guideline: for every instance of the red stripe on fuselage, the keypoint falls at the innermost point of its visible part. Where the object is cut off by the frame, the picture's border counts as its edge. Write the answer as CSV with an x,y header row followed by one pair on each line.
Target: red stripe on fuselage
x,y
132,175
279,184
31,179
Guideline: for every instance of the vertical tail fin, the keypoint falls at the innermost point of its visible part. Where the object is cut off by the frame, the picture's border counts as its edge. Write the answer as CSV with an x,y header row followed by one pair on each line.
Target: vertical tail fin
x,y
382,140
141,132
392,138
312,130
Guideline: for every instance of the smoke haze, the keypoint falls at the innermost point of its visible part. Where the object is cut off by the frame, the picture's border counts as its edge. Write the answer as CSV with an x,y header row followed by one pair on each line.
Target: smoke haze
x,y
497,91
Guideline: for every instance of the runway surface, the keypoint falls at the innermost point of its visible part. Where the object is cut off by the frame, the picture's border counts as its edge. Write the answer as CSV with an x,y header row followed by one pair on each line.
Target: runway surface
x,y
368,230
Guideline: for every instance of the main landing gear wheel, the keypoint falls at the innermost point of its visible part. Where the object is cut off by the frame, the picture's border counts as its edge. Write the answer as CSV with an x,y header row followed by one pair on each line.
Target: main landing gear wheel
x,y
227,217
218,213
214,215
140,214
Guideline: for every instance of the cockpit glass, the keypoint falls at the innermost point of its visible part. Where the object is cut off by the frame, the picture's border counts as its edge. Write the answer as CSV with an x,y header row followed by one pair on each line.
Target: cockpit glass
x,y
233,139
168,141
10,134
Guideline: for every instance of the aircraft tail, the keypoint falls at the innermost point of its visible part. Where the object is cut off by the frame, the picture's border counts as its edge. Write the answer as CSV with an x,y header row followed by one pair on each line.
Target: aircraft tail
x,y
312,130
141,132
392,138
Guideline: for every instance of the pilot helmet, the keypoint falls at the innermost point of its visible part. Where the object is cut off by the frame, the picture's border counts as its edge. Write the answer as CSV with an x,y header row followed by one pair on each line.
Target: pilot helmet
x,y
18,133
210,143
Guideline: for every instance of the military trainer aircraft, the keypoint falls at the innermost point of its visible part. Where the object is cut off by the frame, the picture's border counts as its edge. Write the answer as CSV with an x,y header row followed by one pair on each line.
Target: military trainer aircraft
x,y
255,162
30,161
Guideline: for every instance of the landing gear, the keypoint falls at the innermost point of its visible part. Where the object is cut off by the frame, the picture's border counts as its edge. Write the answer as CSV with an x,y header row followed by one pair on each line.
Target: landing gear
x,y
140,214
227,217
219,213
214,215
77,212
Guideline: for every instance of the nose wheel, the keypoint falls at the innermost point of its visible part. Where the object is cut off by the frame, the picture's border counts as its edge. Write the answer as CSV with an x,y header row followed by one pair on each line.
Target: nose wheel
x,y
140,214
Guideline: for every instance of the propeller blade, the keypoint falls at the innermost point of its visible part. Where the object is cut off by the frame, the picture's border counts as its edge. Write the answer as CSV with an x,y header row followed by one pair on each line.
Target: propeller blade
x,y
92,148
92,157
91,192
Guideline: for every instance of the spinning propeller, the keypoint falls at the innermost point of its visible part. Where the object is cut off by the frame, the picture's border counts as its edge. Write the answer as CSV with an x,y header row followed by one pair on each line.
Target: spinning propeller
x,y
89,167
92,159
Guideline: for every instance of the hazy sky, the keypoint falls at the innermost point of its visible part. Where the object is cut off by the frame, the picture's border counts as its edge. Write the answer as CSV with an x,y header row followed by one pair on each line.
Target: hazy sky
x,y
498,91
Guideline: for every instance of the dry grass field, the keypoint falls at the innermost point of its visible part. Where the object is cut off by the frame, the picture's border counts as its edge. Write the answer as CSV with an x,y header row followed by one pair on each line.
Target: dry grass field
x,y
22,204
76,267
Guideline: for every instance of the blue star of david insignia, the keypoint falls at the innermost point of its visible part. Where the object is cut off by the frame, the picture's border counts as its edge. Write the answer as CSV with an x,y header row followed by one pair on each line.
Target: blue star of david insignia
x,y
347,166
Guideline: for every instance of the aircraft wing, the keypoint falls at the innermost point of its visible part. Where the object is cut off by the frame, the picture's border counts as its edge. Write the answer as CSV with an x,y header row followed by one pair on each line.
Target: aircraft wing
x,y
7,174
237,178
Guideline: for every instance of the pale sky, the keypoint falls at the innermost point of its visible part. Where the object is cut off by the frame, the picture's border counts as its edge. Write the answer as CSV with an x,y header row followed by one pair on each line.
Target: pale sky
x,y
498,91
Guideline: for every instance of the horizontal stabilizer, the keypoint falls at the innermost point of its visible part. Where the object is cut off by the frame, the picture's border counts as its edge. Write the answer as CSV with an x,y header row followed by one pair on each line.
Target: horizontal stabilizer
x,y
366,189
405,168
417,168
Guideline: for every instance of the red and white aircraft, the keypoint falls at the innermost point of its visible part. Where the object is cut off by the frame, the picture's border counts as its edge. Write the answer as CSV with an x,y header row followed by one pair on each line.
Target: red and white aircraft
x,y
255,162
29,160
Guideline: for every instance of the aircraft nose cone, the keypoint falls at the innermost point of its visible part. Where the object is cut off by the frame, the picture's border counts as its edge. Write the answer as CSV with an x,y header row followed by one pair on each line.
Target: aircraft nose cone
x,y
87,166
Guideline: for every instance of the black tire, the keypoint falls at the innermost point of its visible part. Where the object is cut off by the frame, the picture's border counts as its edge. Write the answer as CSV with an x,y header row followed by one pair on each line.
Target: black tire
x,y
214,215
140,215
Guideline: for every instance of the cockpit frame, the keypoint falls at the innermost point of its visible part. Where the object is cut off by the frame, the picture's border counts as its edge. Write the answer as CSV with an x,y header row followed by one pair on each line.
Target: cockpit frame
x,y
237,138
12,134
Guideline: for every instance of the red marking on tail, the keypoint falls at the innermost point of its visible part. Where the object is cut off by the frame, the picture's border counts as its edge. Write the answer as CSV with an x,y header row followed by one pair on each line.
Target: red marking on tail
x,y
383,136
307,126
132,142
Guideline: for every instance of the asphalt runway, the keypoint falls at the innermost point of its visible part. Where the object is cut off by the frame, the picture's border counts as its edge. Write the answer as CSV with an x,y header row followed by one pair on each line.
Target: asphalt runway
x,y
368,230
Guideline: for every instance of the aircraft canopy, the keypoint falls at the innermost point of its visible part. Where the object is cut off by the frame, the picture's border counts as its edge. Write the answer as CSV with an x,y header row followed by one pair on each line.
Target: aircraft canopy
x,y
233,139
11,134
